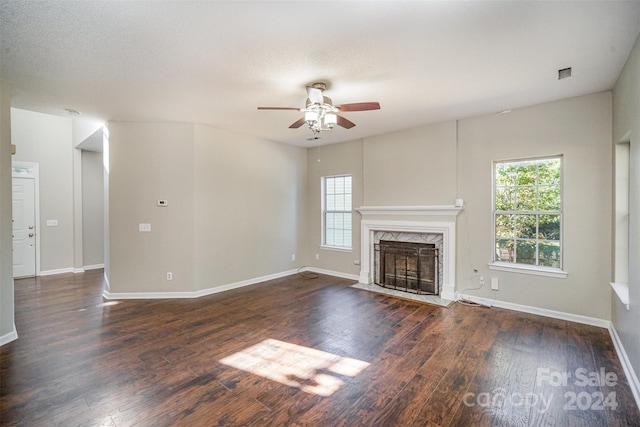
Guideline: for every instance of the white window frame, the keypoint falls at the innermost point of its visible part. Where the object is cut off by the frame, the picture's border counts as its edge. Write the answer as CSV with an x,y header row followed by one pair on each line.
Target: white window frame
x,y
527,268
622,184
324,212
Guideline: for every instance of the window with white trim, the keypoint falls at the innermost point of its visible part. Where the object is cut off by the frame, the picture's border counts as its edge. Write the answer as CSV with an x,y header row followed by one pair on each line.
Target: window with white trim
x,y
336,211
527,212
621,253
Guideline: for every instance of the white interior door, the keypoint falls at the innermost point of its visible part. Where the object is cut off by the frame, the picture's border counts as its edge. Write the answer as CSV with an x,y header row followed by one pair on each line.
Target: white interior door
x,y
24,227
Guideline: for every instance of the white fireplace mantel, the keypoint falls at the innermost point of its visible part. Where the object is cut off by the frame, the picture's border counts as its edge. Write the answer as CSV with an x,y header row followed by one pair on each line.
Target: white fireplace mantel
x,y
452,210
446,228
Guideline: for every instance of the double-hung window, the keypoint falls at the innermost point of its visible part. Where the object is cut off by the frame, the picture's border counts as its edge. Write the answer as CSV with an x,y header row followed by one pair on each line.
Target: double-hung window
x,y
527,212
336,211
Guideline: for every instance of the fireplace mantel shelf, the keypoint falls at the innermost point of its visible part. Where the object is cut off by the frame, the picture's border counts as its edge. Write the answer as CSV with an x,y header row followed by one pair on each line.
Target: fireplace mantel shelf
x,y
410,210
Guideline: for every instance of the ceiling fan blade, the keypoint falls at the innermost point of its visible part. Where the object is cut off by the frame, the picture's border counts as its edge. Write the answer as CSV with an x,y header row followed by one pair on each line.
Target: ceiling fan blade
x,y
359,106
279,108
297,123
315,95
345,123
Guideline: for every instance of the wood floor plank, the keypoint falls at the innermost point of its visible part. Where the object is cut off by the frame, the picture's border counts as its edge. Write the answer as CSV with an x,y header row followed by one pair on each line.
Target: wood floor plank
x,y
346,357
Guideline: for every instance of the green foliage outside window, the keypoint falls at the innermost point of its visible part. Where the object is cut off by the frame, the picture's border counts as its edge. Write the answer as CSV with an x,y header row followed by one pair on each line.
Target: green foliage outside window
x,y
528,211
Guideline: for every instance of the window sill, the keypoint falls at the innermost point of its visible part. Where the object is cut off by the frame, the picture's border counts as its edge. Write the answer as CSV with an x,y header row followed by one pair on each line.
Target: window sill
x,y
529,269
622,290
336,248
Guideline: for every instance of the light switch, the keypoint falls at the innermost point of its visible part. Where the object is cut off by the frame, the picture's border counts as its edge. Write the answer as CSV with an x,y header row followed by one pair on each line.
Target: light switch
x,y
144,227
52,223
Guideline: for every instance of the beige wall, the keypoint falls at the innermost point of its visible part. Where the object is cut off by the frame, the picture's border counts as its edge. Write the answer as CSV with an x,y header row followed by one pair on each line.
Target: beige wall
x,y
7,331
626,124
47,140
580,130
435,164
411,167
92,209
148,162
249,207
235,207
329,160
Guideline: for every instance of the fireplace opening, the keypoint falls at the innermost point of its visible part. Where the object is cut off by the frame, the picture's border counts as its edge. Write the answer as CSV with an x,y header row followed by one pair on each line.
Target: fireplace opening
x,y
407,266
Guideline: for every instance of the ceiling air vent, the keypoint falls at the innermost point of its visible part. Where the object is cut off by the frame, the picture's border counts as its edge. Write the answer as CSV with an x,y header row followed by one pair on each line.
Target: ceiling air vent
x,y
564,73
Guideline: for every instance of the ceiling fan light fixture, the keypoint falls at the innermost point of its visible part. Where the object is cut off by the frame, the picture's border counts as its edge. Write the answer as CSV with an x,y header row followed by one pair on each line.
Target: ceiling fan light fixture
x,y
311,117
330,120
319,112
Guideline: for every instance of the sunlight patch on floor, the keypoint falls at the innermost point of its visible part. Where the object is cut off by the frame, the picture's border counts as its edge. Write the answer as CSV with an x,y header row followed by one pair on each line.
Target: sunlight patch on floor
x,y
312,371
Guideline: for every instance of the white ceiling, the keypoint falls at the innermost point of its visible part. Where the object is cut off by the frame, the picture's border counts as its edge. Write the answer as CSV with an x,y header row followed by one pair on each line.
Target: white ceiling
x,y
214,62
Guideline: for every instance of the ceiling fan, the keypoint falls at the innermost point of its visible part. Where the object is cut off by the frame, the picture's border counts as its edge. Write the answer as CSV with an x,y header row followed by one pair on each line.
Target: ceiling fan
x,y
319,112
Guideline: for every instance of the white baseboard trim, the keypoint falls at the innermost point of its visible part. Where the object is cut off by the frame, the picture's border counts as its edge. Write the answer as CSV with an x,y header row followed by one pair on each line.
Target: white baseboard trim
x,y
74,270
586,320
331,273
634,384
196,294
11,336
57,271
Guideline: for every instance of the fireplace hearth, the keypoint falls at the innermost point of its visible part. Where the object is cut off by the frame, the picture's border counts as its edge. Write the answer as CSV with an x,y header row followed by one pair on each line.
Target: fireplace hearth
x,y
407,266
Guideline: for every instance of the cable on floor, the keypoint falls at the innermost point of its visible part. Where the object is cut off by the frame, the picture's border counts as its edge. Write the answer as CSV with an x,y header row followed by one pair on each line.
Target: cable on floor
x,y
307,274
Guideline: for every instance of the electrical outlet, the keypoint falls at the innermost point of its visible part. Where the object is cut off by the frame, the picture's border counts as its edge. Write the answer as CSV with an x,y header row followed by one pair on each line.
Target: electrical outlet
x,y
293,257
145,228
317,256
481,281
169,275
494,283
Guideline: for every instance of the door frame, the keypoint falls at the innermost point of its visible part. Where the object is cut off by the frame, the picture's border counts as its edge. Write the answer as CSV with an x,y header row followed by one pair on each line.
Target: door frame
x,y
31,170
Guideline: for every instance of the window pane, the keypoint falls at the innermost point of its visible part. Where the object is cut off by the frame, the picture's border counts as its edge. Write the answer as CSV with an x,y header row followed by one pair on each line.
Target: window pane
x,y
338,240
329,240
347,221
505,174
347,184
549,198
329,185
329,220
504,250
526,226
549,227
527,187
331,203
549,172
347,238
549,253
526,199
526,252
526,174
505,199
505,225
337,200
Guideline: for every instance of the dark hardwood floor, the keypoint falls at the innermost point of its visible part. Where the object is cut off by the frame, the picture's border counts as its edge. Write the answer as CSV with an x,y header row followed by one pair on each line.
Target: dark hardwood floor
x,y
296,352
